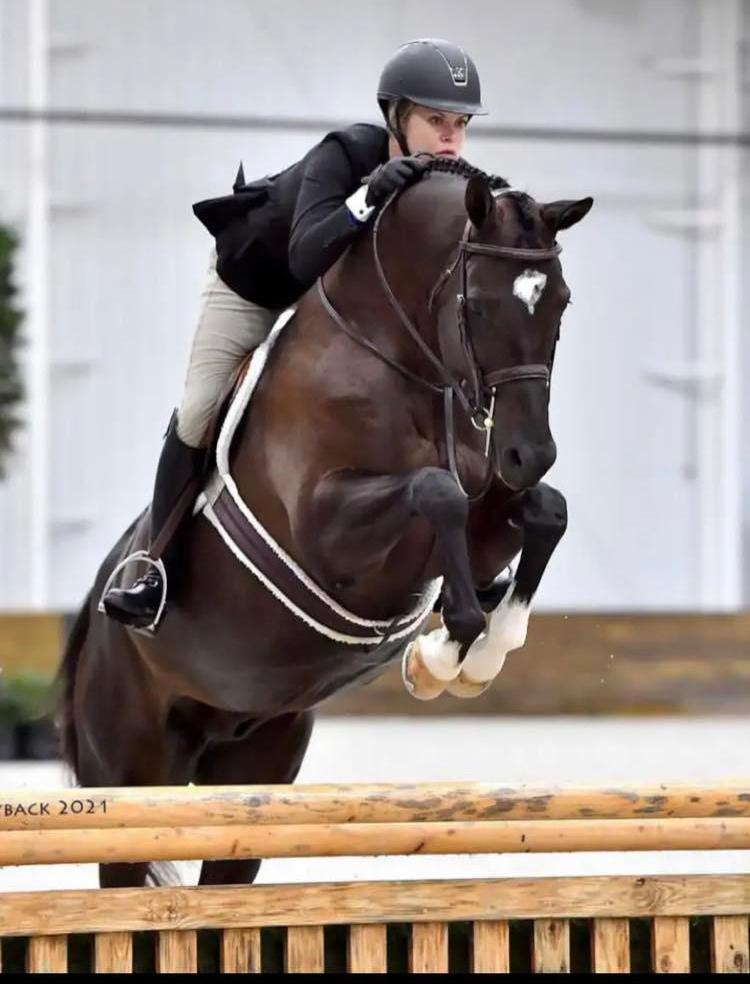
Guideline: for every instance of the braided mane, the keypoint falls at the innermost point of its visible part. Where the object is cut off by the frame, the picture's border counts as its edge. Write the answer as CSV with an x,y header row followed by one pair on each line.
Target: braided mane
x,y
462,168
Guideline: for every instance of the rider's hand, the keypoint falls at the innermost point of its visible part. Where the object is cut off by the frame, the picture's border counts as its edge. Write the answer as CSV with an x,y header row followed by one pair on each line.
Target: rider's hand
x,y
397,173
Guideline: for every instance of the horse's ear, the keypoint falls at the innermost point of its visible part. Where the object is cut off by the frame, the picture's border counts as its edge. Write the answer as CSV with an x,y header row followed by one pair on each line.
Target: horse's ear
x,y
564,214
479,201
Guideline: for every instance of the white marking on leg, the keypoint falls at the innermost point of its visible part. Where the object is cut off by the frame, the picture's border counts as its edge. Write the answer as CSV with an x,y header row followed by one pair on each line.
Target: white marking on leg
x,y
440,654
506,631
528,287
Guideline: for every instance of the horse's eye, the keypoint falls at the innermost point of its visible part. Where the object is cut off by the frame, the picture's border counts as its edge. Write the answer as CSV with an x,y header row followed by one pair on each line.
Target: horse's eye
x,y
487,307
480,316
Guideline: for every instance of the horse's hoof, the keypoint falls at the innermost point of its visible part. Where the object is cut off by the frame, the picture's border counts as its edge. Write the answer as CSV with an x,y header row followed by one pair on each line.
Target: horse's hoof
x,y
462,687
417,678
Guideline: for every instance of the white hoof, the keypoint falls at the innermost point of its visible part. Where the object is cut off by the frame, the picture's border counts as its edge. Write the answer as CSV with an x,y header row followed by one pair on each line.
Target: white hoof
x,y
417,678
465,688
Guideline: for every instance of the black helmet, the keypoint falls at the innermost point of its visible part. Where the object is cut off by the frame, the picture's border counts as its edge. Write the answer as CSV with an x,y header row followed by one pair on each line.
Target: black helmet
x,y
432,73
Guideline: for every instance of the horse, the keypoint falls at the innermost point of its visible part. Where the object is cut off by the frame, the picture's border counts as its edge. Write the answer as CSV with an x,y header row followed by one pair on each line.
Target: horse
x,y
394,449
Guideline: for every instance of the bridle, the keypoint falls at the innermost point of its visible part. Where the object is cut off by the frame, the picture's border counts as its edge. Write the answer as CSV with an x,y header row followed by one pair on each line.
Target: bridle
x,y
475,394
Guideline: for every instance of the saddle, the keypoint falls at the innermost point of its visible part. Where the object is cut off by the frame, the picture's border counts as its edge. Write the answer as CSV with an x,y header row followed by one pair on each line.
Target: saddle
x,y
225,401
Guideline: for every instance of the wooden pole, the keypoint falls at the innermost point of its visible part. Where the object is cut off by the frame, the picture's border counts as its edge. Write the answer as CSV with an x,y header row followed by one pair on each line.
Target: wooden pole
x,y
363,839
248,907
203,806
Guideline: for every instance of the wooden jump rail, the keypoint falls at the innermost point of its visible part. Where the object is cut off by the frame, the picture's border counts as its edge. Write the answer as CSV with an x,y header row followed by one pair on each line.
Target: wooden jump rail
x,y
211,823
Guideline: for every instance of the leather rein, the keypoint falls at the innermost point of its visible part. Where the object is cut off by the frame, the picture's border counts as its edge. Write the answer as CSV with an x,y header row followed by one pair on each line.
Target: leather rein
x,y
476,394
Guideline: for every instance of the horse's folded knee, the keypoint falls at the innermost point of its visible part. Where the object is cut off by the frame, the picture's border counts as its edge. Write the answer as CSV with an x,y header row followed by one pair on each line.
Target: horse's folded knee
x,y
435,494
544,509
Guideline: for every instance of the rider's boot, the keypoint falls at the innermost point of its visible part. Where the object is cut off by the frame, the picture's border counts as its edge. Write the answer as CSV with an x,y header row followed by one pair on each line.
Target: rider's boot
x,y
178,482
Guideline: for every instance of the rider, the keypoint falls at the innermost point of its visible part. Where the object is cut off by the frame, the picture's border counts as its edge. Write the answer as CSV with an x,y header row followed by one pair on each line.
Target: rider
x,y
274,237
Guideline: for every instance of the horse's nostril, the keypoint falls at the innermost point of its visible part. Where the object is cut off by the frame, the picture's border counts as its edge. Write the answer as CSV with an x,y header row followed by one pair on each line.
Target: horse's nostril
x,y
514,457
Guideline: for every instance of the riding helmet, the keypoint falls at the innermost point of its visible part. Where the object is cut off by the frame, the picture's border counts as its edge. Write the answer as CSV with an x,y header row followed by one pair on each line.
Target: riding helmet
x,y
432,73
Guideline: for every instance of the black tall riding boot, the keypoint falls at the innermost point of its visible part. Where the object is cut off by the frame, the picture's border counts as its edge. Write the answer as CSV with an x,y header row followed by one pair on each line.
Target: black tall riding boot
x,y
178,482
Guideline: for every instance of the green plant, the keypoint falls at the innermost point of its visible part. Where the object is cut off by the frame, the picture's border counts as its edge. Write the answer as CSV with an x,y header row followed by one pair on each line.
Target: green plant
x,y
8,706
28,696
11,388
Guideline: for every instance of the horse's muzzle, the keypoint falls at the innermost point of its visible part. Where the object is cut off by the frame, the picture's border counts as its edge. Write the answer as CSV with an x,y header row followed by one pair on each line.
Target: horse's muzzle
x,y
521,464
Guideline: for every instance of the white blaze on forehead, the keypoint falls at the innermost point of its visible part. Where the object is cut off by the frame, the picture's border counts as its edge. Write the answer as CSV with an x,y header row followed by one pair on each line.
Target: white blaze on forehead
x,y
528,287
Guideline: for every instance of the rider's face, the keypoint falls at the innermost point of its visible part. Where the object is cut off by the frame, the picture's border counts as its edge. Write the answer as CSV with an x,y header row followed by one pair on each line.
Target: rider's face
x,y
434,131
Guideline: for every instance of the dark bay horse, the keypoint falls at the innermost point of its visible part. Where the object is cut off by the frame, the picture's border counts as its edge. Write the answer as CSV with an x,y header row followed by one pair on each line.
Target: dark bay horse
x,y
398,434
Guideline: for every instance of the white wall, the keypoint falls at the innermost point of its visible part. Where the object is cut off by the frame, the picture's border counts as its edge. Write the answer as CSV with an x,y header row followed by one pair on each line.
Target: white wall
x,y
651,472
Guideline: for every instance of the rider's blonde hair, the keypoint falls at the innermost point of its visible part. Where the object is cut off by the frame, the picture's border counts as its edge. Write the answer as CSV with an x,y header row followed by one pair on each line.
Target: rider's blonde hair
x,y
398,113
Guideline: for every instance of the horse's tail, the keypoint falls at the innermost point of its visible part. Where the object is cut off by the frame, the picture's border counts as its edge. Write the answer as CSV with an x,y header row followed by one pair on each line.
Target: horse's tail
x,y
162,873
65,685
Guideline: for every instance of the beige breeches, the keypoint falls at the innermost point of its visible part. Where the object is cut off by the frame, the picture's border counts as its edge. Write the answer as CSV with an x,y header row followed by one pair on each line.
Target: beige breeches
x,y
228,328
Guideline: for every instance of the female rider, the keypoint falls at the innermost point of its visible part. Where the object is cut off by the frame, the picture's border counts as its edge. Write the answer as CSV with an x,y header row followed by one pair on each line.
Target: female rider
x,y
274,238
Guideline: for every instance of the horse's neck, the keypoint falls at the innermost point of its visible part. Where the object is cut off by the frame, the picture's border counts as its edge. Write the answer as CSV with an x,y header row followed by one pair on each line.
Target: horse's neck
x,y
414,248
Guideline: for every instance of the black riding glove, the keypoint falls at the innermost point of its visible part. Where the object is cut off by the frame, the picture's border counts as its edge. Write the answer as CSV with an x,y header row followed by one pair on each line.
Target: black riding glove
x,y
397,173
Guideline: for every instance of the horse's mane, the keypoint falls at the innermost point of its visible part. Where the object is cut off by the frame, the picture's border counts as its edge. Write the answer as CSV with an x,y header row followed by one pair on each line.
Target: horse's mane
x,y
461,168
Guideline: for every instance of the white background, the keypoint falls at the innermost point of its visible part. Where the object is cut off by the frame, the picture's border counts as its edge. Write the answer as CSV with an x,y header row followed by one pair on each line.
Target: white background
x,y
647,403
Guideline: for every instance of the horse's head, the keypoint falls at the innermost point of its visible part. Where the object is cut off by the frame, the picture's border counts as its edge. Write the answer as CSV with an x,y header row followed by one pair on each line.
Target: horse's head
x,y
510,300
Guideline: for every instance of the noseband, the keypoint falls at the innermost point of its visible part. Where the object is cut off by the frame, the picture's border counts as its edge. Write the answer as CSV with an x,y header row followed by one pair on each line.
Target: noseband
x,y
476,395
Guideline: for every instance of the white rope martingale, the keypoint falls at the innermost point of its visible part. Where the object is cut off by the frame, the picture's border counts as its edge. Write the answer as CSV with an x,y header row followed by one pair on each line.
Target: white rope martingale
x,y
404,626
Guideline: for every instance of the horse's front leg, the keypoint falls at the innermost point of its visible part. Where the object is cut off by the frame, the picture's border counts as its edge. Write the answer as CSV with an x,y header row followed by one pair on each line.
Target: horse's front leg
x,y
541,515
367,514
433,662
434,659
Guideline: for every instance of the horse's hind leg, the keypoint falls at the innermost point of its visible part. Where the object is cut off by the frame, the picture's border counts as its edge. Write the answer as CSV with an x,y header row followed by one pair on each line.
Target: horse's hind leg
x,y
125,735
271,753
162,755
